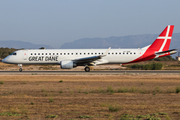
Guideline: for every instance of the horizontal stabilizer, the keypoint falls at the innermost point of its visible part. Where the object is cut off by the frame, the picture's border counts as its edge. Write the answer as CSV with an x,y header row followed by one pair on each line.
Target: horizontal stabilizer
x,y
173,51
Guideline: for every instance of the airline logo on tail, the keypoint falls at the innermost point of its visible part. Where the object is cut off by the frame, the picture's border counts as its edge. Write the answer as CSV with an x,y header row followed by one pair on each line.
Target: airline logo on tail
x,y
160,47
162,43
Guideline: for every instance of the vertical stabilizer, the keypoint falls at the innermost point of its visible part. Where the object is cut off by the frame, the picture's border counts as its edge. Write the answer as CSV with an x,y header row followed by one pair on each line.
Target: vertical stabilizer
x,y
159,46
163,41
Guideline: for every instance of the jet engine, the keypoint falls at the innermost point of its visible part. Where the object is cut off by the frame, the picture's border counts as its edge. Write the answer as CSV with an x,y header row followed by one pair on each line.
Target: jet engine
x,y
67,64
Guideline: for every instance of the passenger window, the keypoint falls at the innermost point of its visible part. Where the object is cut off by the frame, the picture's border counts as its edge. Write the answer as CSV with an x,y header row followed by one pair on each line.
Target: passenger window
x,y
95,53
119,53
109,53
71,53
134,53
34,53
46,53
116,53
88,53
112,53
60,53
102,53
123,53
14,53
56,53
31,53
130,53
76,53
80,53
49,53
84,53
126,53
99,53
68,53
64,53
38,53
42,53
53,53
91,53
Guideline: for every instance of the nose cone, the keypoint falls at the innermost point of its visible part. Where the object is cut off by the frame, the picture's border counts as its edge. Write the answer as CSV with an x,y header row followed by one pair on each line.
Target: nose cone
x,y
5,60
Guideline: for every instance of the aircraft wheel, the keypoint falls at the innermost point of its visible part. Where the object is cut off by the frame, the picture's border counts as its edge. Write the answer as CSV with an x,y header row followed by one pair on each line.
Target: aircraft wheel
x,y
20,69
87,69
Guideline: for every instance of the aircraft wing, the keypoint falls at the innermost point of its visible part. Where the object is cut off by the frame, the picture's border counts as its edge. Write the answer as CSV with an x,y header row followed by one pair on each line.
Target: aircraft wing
x,y
88,60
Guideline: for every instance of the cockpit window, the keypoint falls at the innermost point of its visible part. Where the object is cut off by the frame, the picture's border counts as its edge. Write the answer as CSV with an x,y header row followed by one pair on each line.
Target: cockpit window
x,y
14,54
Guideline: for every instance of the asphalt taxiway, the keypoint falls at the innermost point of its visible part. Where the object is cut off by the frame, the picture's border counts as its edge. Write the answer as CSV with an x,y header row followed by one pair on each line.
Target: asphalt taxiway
x,y
91,72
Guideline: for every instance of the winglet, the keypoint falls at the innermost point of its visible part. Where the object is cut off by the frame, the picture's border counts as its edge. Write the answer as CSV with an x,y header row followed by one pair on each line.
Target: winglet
x,y
106,52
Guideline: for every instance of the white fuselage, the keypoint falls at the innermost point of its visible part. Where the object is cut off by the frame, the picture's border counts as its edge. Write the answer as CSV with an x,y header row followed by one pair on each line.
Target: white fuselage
x,y
55,56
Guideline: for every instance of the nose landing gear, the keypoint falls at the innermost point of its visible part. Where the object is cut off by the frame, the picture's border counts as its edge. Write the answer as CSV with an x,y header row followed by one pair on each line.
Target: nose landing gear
x,y
20,69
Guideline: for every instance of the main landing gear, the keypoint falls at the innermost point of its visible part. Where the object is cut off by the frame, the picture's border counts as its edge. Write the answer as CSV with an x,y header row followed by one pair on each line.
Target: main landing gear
x,y
20,69
87,69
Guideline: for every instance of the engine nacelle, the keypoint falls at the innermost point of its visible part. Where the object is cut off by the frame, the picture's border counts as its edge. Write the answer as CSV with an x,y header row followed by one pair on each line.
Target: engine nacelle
x,y
67,64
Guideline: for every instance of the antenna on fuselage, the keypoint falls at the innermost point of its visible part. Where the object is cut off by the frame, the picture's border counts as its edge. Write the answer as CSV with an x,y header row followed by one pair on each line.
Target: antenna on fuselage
x,y
42,48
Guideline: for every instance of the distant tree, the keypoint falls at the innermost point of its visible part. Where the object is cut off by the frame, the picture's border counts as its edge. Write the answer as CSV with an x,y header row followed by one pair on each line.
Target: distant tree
x,y
1,52
6,51
152,66
4,54
165,58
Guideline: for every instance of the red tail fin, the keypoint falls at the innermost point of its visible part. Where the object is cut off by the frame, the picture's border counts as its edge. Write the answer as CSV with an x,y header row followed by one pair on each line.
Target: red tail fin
x,y
162,43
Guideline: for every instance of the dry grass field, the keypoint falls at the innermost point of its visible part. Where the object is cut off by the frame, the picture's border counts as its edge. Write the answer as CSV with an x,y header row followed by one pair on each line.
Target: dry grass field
x,y
96,97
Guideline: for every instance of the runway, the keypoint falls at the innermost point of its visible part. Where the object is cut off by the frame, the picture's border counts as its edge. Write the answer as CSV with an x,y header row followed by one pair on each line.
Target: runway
x,y
91,72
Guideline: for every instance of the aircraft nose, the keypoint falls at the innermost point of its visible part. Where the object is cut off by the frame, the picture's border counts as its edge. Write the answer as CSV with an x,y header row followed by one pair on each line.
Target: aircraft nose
x,y
5,60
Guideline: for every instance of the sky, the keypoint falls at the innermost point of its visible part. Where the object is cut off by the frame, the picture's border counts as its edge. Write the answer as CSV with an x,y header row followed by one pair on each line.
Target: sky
x,y
55,22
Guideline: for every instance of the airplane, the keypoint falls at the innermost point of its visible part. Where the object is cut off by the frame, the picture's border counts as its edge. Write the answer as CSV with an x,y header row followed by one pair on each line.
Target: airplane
x,y
71,58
